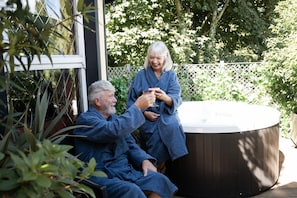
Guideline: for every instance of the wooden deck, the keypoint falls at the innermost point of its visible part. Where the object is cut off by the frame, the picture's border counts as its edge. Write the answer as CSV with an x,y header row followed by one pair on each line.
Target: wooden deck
x,y
286,187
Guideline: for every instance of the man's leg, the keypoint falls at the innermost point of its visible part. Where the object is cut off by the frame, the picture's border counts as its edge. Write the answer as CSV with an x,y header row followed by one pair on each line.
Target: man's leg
x,y
158,184
117,188
150,194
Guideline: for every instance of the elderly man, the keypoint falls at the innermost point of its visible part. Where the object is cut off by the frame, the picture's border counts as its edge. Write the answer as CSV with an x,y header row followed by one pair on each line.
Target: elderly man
x,y
130,170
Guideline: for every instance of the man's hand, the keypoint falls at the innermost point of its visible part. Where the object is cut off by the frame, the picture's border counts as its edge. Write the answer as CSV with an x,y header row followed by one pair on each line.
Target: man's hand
x,y
145,100
147,165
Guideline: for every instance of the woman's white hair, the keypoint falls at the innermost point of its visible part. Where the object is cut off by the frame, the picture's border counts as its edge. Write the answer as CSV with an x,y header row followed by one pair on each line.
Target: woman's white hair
x,y
96,88
159,48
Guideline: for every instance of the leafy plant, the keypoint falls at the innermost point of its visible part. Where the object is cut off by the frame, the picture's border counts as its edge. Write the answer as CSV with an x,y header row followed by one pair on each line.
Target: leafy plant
x,y
187,84
280,58
26,36
132,26
220,87
121,85
33,162
50,171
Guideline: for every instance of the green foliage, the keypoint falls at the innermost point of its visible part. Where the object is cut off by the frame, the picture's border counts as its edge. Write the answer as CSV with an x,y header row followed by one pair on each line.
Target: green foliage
x,y
32,162
220,87
22,85
237,33
281,59
25,36
131,26
214,82
188,84
195,31
121,85
50,171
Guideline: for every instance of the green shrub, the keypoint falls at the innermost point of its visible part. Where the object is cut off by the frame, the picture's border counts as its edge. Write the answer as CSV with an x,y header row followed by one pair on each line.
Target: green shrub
x,y
121,85
34,164
49,171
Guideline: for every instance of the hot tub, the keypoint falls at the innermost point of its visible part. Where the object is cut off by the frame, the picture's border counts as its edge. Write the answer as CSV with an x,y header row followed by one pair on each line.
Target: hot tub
x,y
233,149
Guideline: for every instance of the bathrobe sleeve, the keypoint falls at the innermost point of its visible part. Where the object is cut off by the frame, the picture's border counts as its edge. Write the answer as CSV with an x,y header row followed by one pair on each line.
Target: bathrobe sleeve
x,y
136,154
168,83
101,130
110,141
138,85
173,90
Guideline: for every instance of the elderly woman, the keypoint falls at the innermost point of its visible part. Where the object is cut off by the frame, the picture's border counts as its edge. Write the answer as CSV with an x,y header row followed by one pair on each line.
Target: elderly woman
x,y
162,132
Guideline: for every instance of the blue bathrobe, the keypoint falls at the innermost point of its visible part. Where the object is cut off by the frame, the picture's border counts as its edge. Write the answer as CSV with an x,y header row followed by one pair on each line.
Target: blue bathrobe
x,y
165,138
118,155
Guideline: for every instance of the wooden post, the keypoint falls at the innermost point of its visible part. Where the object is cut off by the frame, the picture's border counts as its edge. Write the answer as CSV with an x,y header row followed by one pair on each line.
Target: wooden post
x,y
95,44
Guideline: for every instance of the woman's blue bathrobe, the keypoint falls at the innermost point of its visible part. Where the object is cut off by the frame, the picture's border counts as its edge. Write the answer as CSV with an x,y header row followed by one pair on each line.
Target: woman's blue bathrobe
x,y
118,155
165,138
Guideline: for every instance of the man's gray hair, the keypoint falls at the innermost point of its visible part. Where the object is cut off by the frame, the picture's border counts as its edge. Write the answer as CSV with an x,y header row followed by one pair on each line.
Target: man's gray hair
x,y
96,88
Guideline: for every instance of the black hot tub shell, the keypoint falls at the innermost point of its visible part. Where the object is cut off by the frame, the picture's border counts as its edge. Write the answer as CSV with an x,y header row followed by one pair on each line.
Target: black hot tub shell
x,y
233,150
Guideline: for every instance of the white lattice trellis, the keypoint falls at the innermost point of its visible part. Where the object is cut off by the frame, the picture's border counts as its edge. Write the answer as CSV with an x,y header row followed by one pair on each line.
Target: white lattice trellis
x,y
241,73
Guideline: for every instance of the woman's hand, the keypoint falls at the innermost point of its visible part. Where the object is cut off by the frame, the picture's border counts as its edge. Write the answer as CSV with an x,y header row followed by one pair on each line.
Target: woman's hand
x,y
151,116
161,95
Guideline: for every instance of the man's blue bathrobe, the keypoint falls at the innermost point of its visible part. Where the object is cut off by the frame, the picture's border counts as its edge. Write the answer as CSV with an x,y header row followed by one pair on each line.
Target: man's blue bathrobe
x,y
165,138
118,155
